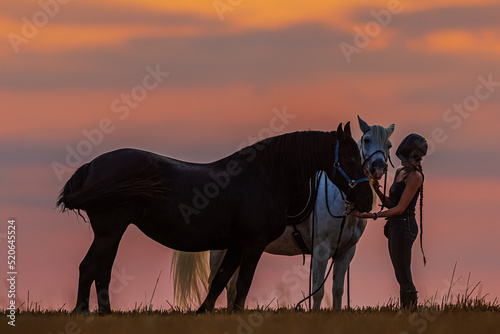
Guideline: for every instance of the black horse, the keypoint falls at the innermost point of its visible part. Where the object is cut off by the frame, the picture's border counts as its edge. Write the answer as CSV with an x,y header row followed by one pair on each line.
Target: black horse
x,y
238,203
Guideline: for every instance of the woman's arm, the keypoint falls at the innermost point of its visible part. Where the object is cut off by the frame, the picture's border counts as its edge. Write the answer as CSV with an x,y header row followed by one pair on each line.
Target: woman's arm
x,y
413,183
384,199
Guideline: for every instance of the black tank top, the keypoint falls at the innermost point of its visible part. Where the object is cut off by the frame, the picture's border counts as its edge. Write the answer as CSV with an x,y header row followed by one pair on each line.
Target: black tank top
x,y
396,192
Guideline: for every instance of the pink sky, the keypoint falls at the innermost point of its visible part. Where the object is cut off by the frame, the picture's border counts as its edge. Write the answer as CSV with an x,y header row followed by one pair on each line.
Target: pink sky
x,y
225,79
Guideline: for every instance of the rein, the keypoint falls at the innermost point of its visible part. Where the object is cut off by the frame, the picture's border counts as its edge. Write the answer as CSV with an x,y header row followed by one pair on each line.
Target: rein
x,y
342,224
305,207
352,184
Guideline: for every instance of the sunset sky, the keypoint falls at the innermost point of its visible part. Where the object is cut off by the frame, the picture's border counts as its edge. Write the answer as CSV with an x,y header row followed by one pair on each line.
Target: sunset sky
x,y
196,79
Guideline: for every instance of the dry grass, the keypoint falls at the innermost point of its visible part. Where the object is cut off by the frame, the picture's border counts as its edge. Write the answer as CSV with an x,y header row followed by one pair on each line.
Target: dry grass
x,y
451,314
472,316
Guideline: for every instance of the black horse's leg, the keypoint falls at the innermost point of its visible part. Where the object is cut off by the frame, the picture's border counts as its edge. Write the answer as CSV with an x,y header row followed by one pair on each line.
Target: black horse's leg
x,y
87,276
227,268
107,256
249,259
96,266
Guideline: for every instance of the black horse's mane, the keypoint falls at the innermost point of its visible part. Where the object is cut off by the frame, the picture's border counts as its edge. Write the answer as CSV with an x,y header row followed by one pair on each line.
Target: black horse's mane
x,y
291,158
295,157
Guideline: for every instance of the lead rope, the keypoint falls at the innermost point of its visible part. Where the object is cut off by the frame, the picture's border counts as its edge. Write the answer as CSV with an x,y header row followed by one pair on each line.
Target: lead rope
x,y
312,255
385,188
349,287
381,208
385,180
349,268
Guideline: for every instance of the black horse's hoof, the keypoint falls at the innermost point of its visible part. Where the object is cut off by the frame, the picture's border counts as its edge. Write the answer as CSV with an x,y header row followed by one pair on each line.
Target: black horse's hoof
x,y
79,311
201,310
104,313
237,309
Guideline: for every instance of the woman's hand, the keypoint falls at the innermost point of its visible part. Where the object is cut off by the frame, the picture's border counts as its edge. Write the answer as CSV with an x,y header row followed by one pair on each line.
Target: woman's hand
x,y
380,194
365,215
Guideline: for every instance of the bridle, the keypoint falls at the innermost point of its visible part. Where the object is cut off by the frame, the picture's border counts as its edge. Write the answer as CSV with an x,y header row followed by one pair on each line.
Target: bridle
x,y
336,167
387,156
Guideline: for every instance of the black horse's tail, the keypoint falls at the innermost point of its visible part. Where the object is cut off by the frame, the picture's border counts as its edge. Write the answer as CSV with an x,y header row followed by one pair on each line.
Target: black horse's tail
x,y
145,183
68,197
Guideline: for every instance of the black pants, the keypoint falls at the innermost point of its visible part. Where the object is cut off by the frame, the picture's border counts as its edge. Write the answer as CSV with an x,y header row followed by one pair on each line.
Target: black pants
x,y
402,232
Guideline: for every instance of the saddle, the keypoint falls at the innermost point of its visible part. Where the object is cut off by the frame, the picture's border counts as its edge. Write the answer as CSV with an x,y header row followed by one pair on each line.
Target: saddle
x,y
301,206
302,203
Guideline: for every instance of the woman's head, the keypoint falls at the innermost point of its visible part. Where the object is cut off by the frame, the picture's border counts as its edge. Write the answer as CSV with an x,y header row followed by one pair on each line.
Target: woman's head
x,y
412,149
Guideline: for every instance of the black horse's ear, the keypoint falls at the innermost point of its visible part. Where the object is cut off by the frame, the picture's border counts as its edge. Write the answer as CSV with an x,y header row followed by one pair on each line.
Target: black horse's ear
x,y
340,132
347,129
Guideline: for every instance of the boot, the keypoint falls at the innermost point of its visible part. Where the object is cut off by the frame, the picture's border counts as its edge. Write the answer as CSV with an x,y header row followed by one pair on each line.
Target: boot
x,y
408,298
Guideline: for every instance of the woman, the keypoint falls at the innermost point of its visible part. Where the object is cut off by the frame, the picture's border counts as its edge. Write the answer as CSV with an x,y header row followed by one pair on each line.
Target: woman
x,y
401,227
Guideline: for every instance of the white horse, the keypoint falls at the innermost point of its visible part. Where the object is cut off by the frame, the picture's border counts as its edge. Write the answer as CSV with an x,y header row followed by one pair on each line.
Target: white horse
x,y
189,269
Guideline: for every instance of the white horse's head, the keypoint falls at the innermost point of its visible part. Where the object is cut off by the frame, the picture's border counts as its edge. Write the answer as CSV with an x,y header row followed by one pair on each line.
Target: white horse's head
x,y
374,146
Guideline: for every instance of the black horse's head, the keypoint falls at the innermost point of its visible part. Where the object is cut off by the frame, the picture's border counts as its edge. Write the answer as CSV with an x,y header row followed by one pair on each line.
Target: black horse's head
x,y
347,173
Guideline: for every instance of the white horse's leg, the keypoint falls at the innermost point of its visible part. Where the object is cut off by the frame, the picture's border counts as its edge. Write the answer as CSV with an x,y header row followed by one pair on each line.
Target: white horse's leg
x,y
339,271
322,226
319,268
319,264
231,288
216,257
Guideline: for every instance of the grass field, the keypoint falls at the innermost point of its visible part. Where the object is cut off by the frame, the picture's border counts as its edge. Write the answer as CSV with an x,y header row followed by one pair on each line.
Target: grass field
x,y
474,318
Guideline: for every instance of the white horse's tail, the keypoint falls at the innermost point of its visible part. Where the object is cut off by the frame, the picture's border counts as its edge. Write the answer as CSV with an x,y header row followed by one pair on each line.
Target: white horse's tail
x,y
190,271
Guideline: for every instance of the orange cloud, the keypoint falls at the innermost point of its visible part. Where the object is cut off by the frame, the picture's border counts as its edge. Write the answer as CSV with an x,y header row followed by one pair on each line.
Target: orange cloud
x,y
460,42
